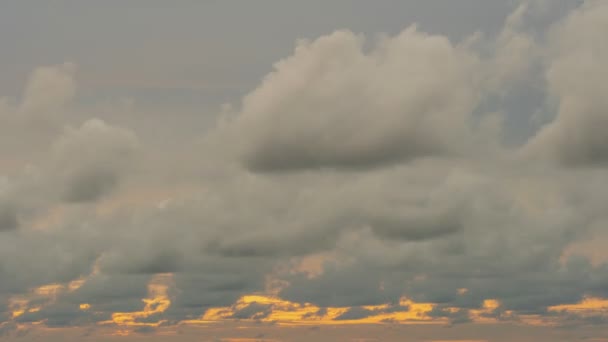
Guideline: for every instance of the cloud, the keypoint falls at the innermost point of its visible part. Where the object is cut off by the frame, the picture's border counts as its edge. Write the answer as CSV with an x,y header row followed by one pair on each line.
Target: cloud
x,y
515,50
92,158
8,217
415,226
49,88
429,220
57,315
82,165
355,313
333,104
253,311
576,78
507,248
29,122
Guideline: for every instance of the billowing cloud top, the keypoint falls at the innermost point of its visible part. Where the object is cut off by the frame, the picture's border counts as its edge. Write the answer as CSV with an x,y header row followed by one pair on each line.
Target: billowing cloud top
x,y
332,104
576,75
364,180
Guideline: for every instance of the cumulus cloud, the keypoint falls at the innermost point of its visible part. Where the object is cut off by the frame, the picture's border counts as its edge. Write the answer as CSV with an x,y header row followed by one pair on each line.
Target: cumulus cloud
x,y
576,77
49,88
83,165
333,104
37,115
515,50
91,158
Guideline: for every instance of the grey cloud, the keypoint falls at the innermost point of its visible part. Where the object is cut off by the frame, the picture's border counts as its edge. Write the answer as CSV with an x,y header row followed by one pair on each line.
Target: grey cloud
x,y
47,257
49,88
504,251
416,227
355,313
576,77
37,115
343,286
146,329
424,215
199,292
515,51
90,185
8,217
108,293
163,260
83,163
58,315
92,158
333,105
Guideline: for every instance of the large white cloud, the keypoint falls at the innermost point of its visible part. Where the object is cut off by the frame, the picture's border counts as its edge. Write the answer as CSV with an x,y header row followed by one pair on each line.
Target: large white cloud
x,y
336,104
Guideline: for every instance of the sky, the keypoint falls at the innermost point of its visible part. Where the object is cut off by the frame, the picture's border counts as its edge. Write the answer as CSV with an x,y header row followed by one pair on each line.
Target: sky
x,y
424,171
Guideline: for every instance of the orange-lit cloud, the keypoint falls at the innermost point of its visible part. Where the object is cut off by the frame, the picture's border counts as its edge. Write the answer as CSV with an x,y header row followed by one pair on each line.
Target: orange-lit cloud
x,y
44,295
157,302
488,308
587,305
289,313
17,306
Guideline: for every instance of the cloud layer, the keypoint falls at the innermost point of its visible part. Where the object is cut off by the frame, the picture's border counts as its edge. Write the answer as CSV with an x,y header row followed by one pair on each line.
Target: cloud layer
x,y
363,180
